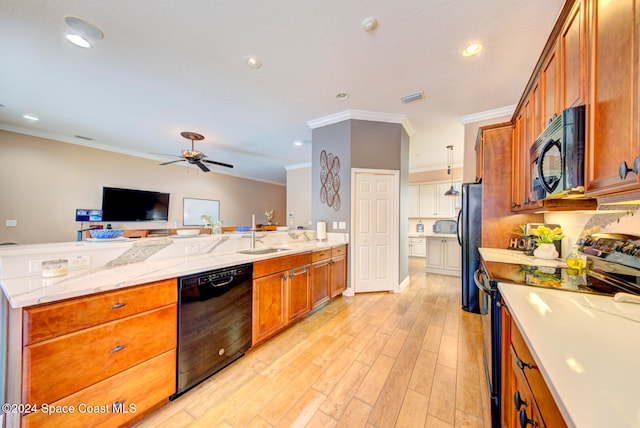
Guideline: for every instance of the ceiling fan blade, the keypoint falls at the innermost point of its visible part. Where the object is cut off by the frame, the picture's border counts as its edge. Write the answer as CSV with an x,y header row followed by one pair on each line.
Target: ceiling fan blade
x,y
218,163
201,166
167,163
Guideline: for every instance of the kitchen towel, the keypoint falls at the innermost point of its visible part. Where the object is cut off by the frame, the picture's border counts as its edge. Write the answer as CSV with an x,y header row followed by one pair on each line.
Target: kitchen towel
x,y
321,230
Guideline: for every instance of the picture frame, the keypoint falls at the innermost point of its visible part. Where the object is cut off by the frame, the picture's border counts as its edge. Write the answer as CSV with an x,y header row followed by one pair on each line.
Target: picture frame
x,y
194,209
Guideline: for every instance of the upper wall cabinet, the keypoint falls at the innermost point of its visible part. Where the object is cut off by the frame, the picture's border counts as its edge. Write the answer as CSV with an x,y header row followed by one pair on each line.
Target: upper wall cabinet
x,y
613,143
573,55
429,201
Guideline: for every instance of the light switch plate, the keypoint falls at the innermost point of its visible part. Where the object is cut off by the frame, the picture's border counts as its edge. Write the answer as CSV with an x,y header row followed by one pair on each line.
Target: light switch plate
x,y
335,225
342,225
11,223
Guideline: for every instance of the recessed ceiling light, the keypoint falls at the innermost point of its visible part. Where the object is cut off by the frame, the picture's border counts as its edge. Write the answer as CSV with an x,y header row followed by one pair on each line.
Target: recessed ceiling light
x,y
252,61
84,28
297,143
342,96
78,40
32,117
472,49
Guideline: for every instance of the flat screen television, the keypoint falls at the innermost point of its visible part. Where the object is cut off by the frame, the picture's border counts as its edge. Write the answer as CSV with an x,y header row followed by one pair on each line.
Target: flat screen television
x,y
134,205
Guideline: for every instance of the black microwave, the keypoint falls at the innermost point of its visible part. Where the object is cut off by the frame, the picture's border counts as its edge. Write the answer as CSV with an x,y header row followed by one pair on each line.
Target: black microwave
x,y
557,157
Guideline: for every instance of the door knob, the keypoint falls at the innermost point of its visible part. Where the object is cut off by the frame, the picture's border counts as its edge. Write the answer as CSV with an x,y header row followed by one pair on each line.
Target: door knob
x,y
623,170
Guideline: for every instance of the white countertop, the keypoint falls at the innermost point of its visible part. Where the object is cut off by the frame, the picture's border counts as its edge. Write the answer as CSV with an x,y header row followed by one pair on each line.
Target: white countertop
x,y
588,349
192,255
432,235
516,257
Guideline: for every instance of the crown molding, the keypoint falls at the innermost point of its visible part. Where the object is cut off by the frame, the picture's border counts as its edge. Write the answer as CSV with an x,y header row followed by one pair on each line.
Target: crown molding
x,y
297,166
486,115
362,115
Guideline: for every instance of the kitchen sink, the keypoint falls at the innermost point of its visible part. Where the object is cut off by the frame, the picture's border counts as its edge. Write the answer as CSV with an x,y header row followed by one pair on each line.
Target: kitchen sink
x,y
267,250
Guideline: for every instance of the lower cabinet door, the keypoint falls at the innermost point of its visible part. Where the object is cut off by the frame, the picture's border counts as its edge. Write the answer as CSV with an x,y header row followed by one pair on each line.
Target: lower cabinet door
x,y
299,300
115,401
453,255
338,275
319,283
269,314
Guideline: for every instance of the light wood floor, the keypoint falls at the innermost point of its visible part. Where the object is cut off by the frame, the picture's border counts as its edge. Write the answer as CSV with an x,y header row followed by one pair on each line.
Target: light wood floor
x,y
374,360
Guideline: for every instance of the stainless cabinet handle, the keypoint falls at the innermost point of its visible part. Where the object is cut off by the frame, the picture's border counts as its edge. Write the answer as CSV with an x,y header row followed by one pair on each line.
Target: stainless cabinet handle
x,y
117,348
118,305
636,165
521,364
623,170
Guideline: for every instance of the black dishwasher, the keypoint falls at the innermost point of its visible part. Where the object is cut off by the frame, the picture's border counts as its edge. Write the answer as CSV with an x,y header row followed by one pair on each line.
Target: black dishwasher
x,y
214,322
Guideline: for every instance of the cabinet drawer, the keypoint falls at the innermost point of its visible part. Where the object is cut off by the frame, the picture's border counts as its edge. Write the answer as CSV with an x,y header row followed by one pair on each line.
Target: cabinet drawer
x,y
316,256
279,264
134,392
524,360
524,403
339,251
55,319
58,367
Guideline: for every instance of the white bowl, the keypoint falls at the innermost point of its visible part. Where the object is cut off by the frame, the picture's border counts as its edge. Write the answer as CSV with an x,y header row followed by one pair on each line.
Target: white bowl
x,y
188,232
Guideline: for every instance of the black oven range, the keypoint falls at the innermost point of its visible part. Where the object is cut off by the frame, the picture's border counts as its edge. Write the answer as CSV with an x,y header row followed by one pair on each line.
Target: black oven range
x,y
613,266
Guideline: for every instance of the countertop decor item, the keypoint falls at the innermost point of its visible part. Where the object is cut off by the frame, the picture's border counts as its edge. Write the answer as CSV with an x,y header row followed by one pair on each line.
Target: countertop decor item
x,y
546,250
106,233
269,216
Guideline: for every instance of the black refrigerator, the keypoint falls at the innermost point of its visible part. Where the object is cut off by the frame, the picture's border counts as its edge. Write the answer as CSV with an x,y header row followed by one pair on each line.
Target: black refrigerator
x,y
470,238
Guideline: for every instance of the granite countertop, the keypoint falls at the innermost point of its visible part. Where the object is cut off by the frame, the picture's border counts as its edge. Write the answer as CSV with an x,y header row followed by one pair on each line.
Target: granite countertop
x,y
122,264
587,348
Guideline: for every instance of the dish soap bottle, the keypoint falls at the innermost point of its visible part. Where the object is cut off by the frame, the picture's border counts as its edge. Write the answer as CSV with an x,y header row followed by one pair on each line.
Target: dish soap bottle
x,y
576,260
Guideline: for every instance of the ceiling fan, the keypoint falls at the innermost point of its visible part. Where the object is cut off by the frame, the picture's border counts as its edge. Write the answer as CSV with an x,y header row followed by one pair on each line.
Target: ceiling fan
x,y
194,156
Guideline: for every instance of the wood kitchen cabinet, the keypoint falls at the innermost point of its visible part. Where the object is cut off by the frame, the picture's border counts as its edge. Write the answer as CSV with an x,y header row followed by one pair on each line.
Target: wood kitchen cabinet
x,y
573,57
338,270
281,294
526,399
320,282
614,113
443,256
328,274
112,349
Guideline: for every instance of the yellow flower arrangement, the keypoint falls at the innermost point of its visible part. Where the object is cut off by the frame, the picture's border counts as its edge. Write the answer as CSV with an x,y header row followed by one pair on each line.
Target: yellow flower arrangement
x,y
545,235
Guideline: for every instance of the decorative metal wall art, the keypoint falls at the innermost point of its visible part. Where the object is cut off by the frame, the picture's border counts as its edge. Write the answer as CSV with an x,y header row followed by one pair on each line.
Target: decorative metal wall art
x,y
330,180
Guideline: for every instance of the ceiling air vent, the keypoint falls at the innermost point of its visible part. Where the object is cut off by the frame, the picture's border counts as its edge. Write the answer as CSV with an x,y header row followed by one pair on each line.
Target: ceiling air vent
x,y
413,97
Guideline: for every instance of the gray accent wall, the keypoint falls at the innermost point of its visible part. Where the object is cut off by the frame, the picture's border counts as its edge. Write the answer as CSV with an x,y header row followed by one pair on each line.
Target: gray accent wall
x,y
362,144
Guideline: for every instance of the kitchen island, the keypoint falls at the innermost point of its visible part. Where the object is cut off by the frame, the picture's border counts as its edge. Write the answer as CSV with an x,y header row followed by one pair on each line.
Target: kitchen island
x,y
115,267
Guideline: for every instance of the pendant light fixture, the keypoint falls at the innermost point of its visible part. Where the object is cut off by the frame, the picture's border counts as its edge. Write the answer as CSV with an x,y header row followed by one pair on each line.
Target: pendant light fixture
x,y
451,191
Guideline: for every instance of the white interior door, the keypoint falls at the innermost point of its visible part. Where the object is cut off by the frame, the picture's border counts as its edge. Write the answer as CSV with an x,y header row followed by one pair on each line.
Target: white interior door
x,y
375,234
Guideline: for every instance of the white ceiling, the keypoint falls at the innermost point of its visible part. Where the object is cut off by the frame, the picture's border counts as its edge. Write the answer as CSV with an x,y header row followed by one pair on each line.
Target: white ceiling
x,y
166,66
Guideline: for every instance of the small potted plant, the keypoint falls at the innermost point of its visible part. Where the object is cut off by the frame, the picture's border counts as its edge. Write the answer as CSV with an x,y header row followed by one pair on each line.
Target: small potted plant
x,y
269,216
544,237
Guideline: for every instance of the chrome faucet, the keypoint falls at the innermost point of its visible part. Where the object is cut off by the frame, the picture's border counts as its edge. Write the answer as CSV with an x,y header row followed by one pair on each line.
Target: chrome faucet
x,y
253,231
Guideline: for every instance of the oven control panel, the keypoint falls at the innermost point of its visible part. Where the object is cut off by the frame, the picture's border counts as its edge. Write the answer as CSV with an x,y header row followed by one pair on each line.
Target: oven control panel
x,y
622,249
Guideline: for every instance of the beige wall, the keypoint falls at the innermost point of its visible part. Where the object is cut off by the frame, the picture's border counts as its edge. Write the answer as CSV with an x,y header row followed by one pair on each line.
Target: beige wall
x,y
299,197
42,182
436,175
